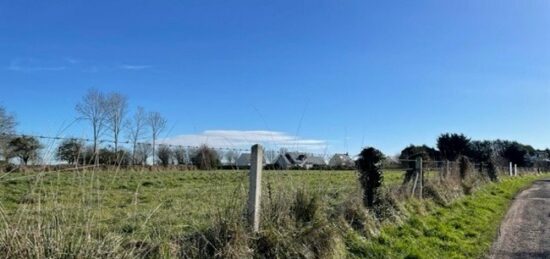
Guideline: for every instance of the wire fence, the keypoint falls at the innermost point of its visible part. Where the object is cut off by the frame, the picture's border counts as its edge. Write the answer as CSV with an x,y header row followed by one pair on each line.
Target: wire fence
x,y
177,198
141,152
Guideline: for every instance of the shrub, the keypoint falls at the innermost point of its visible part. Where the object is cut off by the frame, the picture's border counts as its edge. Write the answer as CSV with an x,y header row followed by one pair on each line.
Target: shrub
x,y
70,150
164,154
109,157
370,174
206,158
492,170
464,166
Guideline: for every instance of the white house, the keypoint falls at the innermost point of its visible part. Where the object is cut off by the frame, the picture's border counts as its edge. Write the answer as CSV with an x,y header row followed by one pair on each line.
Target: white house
x,y
244,160
341,161
298,160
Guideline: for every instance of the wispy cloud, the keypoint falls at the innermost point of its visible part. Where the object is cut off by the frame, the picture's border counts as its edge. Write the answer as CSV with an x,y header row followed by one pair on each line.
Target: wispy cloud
x,y
244,139
134,67
33,65
72,60
30,65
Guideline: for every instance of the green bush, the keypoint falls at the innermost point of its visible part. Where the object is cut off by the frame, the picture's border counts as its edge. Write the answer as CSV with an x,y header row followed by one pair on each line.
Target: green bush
x,y
370,174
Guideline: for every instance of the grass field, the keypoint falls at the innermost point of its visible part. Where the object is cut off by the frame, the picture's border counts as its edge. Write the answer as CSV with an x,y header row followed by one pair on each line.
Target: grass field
x,y
76,210
152,205
161,207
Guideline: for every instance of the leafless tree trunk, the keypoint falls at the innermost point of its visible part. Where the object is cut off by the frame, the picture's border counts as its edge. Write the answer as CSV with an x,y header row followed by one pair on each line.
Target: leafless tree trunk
x,y
116,108
136,129
157,124
7,127
92,109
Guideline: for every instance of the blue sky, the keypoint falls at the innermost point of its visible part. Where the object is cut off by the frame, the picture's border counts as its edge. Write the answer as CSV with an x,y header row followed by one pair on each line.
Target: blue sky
x,y
343,74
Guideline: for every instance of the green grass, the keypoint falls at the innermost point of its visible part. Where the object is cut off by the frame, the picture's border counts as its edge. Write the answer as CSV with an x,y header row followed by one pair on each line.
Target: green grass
x,y
86,213
465,229
152,205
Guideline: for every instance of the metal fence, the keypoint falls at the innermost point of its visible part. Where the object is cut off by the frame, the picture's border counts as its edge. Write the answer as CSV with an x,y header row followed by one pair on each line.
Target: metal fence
x,y
182,198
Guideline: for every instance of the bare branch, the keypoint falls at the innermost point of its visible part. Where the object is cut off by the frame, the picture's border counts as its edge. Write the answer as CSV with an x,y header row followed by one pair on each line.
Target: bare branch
x,y
92,108
157,124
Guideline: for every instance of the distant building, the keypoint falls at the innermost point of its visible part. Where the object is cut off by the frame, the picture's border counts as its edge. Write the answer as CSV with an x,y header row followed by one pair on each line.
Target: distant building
x,y
315,162
341,161
298,160
244,161
540,159
290,160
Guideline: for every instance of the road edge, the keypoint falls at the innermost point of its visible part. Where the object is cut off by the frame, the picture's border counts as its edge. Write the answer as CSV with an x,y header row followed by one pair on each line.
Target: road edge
x,y
508,206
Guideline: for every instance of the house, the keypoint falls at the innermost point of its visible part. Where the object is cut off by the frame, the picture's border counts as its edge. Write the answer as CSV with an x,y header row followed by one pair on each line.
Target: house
x,y
341,161
244,161
315,162
540,159
298,160
290,160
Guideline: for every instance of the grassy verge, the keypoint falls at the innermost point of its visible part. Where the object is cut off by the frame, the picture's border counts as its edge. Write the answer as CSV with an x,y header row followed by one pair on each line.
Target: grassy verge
x,y
465,229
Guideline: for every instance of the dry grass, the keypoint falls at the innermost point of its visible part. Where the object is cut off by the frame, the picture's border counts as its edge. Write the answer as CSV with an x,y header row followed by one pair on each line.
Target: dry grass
x,y
306,214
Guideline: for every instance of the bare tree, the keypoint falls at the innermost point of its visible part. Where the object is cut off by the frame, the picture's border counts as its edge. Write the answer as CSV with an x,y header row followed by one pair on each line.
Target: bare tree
x,y
7,128
92,109
157,124
136,129
116,108
142,153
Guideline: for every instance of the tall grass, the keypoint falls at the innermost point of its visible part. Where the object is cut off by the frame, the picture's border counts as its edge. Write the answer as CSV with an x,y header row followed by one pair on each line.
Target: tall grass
x,y
98,214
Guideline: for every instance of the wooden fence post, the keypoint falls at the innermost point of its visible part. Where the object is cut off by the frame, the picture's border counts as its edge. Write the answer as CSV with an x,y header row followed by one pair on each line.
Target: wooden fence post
x,y
510,170
515,169
421,174
447,169
255,187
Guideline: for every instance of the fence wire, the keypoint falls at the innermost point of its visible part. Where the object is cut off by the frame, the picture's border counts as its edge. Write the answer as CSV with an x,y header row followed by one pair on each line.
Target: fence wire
x,y
177,198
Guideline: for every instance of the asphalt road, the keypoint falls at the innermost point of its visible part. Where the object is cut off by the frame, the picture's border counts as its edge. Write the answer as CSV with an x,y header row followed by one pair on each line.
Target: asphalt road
x,y
525,231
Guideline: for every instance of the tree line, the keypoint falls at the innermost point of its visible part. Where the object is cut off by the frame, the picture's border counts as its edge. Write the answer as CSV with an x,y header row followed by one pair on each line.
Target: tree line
x,y
108,116
453,146
108,113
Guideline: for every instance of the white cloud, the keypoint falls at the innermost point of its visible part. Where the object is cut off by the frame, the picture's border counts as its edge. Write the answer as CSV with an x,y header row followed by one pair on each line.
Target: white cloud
x,y
31,65
244,139
72,60
134,67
